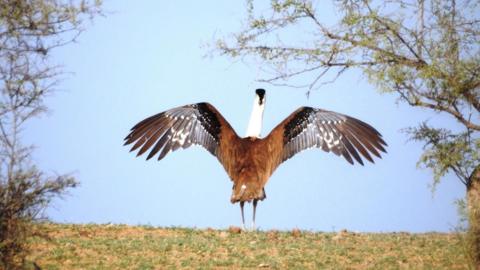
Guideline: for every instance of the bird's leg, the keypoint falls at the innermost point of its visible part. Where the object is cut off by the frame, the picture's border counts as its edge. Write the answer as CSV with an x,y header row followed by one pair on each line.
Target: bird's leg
x,y
254,211
243,217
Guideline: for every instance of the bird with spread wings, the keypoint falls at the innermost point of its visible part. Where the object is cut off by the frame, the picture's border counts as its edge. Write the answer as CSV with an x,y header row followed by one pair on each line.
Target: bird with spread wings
x,y
251,160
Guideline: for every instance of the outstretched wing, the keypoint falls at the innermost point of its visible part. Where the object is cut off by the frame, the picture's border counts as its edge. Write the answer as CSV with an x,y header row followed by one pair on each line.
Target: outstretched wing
x,y
343,135
195,124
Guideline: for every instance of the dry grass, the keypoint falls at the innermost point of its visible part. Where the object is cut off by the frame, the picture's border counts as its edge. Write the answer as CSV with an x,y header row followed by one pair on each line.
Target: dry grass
x,y
142,247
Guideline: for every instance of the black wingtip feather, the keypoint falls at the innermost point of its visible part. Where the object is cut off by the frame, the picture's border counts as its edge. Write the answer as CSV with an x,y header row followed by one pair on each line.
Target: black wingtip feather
x,y
149,157
166,149
349,159
351,149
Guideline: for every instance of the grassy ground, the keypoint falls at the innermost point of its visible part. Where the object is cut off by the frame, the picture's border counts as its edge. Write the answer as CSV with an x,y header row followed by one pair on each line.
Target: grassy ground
x,y
142,247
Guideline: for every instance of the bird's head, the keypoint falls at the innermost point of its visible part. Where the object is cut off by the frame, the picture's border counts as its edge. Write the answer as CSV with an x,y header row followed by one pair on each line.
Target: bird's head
x,y
260,97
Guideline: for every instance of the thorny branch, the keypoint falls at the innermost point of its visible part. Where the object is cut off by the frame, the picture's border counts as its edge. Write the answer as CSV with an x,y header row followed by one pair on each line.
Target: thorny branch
x,y
29,31
423,52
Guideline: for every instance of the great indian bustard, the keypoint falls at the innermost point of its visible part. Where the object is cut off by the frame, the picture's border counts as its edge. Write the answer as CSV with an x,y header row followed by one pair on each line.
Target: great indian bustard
x,y
250,161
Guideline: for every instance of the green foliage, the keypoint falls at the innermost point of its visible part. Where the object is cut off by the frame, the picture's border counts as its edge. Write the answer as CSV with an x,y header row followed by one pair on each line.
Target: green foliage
x,y
425,52
462,210
446,151
22,199
29,30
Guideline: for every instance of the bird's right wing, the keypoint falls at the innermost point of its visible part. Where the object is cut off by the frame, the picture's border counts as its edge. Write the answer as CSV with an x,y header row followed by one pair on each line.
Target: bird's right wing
x,y
195,124
330,131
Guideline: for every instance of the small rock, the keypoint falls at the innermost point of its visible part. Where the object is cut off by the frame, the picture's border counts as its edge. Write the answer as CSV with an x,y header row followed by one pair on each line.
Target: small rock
x,y
272,235
296,233
341,234
223,234
233,229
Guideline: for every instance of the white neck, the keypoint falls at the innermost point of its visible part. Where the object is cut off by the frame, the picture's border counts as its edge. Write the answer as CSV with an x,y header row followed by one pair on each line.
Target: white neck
x,y
256,118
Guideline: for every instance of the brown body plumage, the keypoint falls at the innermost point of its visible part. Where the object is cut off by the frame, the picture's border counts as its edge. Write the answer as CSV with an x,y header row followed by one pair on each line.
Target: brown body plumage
x,y
250,161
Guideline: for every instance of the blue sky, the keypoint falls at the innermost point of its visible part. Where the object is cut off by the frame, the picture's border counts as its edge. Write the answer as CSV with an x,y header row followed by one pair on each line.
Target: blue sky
x,y
145,58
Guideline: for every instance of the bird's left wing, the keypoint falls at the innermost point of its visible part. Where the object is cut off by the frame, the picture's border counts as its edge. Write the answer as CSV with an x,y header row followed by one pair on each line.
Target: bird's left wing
x,y
343,135
195,124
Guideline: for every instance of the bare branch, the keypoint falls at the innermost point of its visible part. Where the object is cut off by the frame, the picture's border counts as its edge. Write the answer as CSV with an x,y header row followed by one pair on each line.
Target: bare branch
x,y
424,52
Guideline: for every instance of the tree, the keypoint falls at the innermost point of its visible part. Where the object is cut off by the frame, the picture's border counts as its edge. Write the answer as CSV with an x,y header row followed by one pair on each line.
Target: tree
x,y
425,52
29,31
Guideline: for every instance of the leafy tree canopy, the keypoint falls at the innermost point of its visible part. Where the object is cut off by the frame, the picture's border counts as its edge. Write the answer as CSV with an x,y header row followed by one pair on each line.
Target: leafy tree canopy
x,y
29,31
425,52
